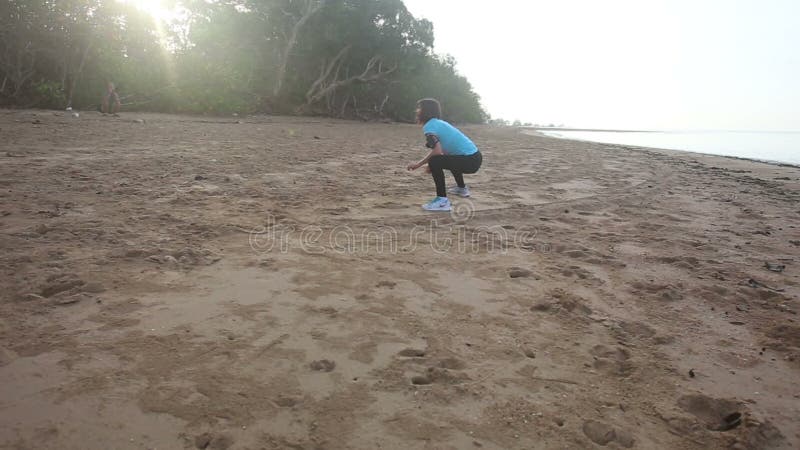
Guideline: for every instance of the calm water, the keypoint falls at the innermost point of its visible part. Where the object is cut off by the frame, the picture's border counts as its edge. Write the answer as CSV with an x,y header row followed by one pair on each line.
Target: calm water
x,y
766,146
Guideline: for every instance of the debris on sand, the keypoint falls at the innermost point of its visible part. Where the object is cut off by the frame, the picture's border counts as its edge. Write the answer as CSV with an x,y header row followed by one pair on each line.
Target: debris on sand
x,y
759,285
774,267
62,300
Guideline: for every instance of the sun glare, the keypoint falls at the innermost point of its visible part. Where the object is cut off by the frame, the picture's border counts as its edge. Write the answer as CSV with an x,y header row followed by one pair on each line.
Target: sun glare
x,y
163,19
153,7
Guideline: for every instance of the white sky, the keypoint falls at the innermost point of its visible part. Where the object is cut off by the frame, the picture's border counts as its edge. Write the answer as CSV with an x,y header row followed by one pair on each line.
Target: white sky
x,y
641,64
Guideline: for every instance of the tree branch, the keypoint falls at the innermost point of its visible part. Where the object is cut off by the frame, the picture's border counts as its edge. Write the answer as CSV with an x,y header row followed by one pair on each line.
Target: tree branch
x,y
324,86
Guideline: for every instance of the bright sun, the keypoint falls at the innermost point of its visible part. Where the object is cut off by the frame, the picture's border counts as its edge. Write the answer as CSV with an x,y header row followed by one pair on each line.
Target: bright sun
x,y
153,7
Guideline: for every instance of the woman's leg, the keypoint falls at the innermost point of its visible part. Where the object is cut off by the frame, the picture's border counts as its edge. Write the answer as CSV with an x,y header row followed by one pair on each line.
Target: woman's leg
x,y
437,166
459,177
456,164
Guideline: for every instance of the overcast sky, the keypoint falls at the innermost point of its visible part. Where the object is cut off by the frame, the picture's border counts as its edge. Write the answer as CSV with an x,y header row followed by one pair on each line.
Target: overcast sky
x,y
643,64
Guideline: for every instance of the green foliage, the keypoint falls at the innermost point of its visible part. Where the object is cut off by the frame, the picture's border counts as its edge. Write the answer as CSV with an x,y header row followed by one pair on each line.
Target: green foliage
x,y
49,94
344,58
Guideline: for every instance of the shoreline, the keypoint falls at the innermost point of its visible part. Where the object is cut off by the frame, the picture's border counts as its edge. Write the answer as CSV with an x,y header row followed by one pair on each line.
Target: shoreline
x,y
762,161
587,129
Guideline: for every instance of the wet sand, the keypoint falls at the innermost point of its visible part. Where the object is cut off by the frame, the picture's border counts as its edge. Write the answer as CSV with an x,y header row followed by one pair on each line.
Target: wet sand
x,y
271,282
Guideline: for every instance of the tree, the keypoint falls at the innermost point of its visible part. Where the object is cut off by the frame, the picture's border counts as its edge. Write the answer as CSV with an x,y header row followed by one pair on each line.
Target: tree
x,y
308,9
343,58
50,46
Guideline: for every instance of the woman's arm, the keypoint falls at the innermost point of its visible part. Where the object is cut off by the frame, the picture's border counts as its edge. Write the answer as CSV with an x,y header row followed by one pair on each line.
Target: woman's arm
x,y
436,150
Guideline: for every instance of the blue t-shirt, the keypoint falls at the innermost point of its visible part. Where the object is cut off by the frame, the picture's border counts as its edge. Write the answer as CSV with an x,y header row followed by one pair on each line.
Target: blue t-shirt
x,y
453,141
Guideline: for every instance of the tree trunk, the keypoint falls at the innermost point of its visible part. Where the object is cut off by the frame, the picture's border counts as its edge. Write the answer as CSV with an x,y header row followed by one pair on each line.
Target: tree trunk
x,y
383,104
77,74
312,6
344,105
23,69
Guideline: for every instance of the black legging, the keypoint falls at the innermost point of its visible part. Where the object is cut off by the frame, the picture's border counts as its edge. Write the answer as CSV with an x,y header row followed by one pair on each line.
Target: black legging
x,y
458,165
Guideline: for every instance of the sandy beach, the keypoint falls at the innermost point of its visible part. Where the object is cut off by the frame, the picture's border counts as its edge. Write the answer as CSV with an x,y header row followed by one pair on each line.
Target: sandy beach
x,y
175,282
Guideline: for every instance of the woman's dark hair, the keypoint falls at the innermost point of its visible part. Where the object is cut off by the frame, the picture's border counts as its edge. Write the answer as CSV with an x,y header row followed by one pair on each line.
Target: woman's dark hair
x,y
429,108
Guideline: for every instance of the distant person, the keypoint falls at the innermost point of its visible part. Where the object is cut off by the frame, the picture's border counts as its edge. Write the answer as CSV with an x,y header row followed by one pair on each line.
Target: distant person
x,y
110,104
450,149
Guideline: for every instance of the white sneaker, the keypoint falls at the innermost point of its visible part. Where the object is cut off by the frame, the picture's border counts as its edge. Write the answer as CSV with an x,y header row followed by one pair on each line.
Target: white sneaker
x,y
438,204
463,192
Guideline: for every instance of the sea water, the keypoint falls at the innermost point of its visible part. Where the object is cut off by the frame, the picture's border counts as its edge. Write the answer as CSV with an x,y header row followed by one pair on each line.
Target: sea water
x,y
772,146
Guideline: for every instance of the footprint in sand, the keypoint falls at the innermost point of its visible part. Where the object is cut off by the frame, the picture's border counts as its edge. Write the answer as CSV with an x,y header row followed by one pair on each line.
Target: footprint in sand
x,y
210,441
323,365
573,271
518,272
575,254
439,375
286,402
562,300
391,205
625,331
715,414
787,334
337,211
412,353
452,364
723,415
57,284
420,380
326,310
594,258
662,292
637,329
602,434
683,262
611,361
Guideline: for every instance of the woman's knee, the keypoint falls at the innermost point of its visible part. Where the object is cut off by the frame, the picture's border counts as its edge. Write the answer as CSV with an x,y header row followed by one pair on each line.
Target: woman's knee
x,y
436,162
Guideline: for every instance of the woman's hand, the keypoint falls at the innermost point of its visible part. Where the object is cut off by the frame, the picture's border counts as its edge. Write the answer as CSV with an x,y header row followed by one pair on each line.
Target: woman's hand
x,y
412,166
